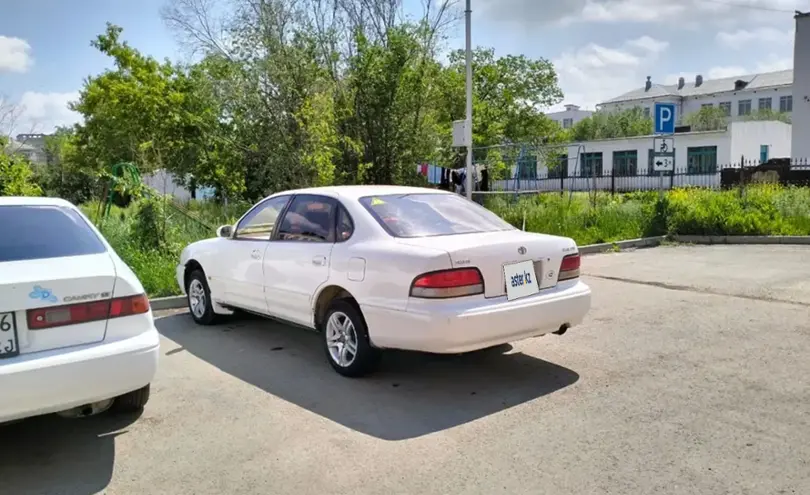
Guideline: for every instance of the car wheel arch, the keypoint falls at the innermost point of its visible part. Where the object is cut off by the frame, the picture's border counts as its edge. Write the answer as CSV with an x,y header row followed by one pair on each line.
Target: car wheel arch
x,y
192,265
324,300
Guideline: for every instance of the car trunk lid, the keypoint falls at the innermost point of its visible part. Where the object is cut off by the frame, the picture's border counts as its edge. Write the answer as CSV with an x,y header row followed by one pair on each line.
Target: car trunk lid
x,y
71,289
491,251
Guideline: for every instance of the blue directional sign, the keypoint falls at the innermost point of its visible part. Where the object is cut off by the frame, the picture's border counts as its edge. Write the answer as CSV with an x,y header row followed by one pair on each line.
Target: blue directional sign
x,y
665,118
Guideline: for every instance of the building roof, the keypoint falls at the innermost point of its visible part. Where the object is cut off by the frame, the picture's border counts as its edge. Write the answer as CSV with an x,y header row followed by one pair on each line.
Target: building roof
x,y
709,86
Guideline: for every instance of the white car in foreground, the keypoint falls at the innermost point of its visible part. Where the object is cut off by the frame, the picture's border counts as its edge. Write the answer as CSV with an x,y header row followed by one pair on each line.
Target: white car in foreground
x,y
386,267
76,332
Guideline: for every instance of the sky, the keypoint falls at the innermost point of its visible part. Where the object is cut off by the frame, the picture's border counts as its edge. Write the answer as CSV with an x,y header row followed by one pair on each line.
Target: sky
x,y
600,48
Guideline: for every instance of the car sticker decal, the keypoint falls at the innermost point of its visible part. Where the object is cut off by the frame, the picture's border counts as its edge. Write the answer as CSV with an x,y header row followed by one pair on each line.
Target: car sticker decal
x,y
43,294
377,202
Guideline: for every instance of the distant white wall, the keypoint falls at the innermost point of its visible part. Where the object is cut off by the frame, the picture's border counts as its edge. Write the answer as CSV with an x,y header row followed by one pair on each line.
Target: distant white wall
x,y
573,115
801,89
164,182
747,138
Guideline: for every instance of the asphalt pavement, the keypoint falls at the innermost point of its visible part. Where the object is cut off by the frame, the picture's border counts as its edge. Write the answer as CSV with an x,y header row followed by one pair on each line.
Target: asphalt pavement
x,y
689,376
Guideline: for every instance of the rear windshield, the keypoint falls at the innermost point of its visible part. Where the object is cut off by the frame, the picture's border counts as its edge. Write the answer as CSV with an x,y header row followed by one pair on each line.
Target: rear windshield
x,y
39,232
425,215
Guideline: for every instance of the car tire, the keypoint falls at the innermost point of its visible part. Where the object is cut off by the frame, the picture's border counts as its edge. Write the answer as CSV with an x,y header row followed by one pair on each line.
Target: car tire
x,y
133,401
198,297
344,329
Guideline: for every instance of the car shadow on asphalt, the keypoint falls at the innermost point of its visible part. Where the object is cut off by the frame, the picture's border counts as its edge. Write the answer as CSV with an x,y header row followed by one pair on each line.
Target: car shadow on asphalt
x,y
54,455
412,395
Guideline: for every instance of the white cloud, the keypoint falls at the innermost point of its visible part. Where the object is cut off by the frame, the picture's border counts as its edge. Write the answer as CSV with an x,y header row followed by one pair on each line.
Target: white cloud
x,y
42,112
765,34
594,73
774,63
726,71
641,11
15,55
649,44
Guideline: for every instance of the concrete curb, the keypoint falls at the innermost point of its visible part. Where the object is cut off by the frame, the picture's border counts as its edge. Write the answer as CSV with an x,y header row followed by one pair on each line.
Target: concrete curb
x,y
620,245
743,239
171,302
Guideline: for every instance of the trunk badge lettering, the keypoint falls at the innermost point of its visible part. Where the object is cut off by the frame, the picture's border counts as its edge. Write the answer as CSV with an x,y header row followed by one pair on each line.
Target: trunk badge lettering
x,y
43,294
521,250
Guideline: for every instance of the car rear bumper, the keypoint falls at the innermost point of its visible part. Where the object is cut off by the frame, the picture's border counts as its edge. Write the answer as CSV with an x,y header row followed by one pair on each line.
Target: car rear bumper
x,y
53,381
467,325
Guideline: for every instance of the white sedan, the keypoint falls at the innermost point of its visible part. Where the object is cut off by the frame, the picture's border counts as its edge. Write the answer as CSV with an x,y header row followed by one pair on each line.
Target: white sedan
x,y
76,331
386,267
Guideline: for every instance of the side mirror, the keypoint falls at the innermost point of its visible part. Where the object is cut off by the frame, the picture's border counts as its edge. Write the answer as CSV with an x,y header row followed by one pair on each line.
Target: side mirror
x,y
225,231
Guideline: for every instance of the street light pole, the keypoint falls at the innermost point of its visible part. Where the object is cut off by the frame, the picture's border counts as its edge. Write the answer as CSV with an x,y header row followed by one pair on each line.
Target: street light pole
x,y
468,128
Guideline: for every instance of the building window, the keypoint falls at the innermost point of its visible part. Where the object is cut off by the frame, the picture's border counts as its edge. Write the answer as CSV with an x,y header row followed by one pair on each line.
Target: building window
x,y
625,163
591,165
560,170
765,104
651,163
701,160
707,105
646,112
786,104
744,107
725,106
568,123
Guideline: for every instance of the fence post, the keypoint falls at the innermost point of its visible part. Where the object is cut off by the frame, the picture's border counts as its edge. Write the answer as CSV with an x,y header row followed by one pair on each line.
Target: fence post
x,y
612,181
563,174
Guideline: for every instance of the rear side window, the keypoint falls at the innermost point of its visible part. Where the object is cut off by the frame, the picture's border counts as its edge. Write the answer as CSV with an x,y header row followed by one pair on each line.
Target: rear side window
x,y
39,232
426,215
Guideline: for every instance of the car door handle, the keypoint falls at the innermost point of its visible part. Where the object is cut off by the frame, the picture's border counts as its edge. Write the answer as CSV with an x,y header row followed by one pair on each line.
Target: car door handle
x,y
255,254
319,260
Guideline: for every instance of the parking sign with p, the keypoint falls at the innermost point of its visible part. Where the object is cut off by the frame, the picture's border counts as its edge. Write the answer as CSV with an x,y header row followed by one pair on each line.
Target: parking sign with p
x,y
665,118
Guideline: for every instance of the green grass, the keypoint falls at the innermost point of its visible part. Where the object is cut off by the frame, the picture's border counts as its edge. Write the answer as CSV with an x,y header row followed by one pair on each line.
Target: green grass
x,y
760,210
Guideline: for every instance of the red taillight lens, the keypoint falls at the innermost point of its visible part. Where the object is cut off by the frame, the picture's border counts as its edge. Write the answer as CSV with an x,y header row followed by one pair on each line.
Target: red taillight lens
x,y
569,268
73,314
448,283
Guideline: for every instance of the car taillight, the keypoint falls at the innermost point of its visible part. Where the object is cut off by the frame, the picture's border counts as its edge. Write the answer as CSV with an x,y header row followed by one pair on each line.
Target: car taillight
x,y
448,283
74,314
569,268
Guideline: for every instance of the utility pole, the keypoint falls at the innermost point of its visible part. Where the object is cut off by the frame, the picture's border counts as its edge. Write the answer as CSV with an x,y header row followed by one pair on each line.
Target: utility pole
x,y
468,186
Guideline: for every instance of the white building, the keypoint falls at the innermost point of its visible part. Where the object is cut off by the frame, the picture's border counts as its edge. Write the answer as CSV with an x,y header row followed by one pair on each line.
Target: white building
x,y
570,116
738,96
801,88
626,163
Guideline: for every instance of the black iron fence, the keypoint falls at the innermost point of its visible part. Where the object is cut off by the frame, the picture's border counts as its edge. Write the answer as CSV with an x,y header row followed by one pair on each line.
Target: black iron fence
x,y
619,180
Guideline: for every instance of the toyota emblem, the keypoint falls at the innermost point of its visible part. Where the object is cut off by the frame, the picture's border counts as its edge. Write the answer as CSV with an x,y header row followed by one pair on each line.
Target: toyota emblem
x,y
521,250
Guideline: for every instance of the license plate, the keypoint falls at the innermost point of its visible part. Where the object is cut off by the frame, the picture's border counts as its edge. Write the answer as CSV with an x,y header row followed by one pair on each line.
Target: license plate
x,y
9,345
521,281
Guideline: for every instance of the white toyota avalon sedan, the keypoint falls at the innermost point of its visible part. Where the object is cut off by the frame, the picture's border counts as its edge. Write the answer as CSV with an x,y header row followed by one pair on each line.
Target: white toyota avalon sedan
x,y
76,331
386,267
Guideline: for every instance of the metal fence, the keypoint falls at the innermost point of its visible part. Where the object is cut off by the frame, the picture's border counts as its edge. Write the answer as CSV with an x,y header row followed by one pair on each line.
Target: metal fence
x,y
620,180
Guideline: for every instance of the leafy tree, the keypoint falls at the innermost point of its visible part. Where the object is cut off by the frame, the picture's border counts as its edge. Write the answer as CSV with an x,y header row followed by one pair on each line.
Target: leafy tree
x,y
772,115
707,119
16,175
157,115
608,125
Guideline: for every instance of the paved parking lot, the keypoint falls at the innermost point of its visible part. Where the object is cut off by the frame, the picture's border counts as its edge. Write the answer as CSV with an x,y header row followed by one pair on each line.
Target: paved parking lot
x,y
689,376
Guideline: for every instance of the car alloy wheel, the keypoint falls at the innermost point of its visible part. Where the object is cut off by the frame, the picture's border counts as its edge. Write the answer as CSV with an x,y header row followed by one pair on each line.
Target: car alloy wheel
x,y
341,339
196,298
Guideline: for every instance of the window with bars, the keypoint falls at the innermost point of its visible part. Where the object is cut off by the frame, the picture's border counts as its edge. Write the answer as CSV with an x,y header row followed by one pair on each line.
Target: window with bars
x,y
701,160
744,107
765,103
591,165
651,163
725,106
560,170
568,123
625,163
646,112
786,103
